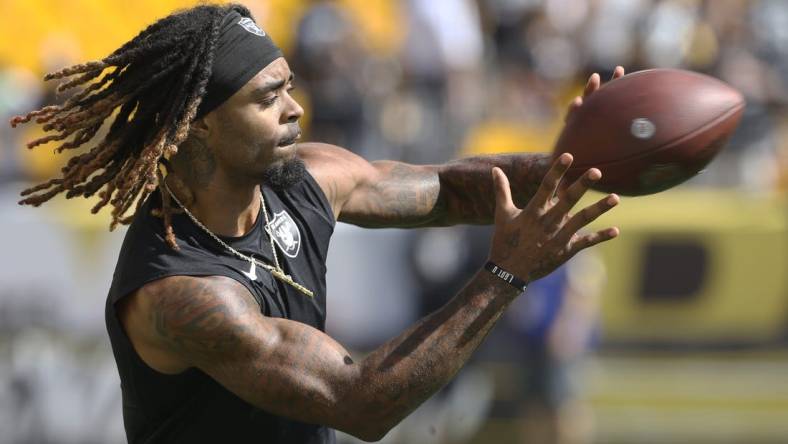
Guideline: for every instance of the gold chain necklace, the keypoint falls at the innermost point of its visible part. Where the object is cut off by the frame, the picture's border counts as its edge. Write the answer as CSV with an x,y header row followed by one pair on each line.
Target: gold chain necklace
x,y
276,272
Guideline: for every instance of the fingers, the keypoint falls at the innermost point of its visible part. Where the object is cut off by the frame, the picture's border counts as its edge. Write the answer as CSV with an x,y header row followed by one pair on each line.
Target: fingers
x,y
561,193
503,193
551,181
592,85
569,198
594,81
586,216
577,102
589,240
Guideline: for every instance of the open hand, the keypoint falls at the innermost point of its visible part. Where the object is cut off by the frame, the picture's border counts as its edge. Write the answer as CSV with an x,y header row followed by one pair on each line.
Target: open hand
x,y
533,241
593,84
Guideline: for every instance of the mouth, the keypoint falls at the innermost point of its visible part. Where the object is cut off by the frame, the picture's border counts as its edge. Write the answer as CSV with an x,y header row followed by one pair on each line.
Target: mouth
x,y
290,139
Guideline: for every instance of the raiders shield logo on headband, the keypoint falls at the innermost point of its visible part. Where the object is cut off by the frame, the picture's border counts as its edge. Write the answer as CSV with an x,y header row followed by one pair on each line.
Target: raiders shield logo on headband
x,y
243,49
249,25
285,233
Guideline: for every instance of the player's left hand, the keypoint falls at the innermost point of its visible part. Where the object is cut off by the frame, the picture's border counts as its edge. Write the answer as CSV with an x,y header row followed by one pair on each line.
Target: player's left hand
x,y
593,84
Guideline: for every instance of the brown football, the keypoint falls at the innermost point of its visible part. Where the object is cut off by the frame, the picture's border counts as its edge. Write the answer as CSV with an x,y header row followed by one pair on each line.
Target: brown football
x,y
650,130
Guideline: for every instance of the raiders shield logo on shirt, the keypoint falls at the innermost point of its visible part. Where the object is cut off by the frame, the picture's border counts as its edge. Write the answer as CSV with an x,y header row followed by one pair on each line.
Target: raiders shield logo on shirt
x,y
285,233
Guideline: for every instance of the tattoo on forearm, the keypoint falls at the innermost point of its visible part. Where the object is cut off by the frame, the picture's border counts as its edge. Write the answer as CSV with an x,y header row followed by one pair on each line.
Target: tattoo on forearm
x,y
459,192
413,366
467,186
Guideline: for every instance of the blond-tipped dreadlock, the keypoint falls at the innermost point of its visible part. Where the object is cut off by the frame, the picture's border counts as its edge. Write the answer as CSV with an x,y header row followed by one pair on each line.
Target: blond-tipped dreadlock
x,y
156,82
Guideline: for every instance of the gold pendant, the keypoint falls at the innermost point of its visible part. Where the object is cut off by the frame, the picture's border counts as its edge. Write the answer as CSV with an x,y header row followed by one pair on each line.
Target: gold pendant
x,y
289,280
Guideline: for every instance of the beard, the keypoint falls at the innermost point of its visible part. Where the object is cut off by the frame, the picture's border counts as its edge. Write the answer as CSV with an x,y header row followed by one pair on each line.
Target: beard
x,y
285,174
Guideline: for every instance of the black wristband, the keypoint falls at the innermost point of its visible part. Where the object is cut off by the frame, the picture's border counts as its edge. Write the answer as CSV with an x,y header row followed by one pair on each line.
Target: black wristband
x,y
511,279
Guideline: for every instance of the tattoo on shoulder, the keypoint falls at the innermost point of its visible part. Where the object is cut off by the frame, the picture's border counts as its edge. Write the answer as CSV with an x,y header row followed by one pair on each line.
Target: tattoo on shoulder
x,y
202,315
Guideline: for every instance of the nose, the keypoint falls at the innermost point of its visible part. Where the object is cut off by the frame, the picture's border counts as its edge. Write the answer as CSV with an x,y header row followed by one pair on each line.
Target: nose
x,y
293,111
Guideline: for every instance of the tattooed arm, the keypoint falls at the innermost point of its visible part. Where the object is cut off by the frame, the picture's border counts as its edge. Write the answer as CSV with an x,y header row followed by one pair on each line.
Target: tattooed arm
x,y
294,370
395,194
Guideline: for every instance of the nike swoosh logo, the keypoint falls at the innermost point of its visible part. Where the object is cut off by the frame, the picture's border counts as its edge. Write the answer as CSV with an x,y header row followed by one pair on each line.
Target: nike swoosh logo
x,y
252,273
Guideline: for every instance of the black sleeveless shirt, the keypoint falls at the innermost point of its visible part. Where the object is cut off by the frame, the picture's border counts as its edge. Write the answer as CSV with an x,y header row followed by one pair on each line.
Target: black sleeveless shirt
x,y
191,407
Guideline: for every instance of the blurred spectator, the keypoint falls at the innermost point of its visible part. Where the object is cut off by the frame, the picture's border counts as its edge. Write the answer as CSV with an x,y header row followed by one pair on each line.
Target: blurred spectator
x,y
328,58
556,323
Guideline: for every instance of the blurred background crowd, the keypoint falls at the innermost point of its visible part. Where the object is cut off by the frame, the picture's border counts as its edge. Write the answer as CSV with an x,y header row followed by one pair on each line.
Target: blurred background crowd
x,y
641,341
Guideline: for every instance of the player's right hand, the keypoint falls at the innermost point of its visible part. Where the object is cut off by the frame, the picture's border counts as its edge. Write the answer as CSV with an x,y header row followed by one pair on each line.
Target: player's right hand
x,y
533,241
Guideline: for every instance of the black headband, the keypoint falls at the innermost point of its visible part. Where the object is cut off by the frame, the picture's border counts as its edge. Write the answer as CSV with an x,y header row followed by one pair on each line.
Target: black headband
x,y
242,51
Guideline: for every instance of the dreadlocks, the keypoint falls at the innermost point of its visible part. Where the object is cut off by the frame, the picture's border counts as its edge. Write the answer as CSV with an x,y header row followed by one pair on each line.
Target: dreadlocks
x,y
155,84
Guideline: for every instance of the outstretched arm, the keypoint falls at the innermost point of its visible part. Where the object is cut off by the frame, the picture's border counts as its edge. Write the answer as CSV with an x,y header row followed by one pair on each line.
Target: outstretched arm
x,y
293,370
395,194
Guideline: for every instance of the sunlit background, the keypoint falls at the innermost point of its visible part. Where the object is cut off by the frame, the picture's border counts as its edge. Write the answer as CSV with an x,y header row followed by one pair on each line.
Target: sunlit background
x,y
674,333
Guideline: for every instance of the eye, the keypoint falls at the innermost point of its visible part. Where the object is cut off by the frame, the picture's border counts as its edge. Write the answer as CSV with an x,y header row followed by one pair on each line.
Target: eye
x,y
268,101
